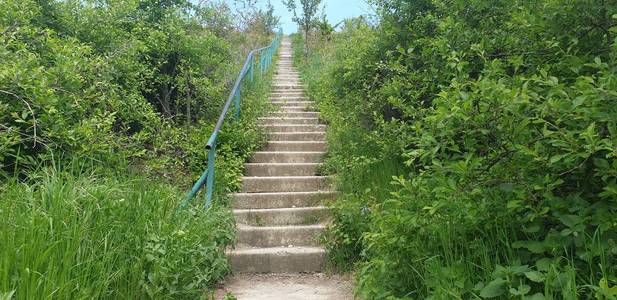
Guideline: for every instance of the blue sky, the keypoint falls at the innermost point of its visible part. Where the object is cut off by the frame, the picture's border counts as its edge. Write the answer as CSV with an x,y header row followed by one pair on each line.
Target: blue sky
x,y
336,11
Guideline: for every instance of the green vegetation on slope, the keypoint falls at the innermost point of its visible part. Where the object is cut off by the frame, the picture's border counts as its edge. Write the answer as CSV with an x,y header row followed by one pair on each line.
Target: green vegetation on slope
x,y
475,143
72,236
105,110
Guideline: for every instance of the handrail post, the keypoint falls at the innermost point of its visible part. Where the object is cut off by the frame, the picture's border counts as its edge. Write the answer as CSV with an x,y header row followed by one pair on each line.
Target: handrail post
x,y
210,178
237,103
251,68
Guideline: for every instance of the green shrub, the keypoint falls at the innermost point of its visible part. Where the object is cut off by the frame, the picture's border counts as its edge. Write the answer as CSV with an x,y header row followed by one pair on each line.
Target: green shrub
x,y
475,144
87,79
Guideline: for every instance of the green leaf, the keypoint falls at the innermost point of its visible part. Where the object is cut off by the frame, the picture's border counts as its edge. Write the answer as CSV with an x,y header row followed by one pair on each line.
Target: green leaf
x,y
494,288
557,158
537,296
570,220
522,290
543,264
535,276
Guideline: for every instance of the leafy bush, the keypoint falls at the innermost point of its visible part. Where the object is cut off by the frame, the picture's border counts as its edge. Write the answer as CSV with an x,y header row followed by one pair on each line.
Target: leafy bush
x,y
496,124
88,79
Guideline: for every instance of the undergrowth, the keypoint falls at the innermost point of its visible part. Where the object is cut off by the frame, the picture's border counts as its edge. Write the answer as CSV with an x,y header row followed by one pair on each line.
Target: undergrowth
x,y
70,235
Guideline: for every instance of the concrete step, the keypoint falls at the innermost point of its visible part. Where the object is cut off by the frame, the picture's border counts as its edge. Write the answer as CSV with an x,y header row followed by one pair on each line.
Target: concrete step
x,y
292,102
287,87
287,91
278,260
289,98
286,157
286,72
303,114
275,94
294,108
294,128
295,146
282,216
281,200
289,121
288,80
280,169
296,136
275,236
286,184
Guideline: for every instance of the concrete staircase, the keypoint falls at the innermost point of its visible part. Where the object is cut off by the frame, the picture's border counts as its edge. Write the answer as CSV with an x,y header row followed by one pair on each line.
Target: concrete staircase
x,y
279,212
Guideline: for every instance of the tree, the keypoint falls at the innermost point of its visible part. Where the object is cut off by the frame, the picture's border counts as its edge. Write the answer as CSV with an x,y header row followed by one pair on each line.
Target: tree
x,y
306,19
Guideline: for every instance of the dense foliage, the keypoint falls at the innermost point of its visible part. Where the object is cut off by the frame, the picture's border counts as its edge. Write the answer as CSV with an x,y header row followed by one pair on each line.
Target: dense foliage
x,y
105,110
476,146
100,79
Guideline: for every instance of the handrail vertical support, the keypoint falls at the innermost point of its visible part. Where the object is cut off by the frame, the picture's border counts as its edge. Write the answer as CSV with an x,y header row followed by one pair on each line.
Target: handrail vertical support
x,y
237,103
210,179
251,68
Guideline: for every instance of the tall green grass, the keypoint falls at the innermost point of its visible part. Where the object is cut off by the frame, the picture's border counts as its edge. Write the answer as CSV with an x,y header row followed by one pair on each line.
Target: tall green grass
x,y
87,236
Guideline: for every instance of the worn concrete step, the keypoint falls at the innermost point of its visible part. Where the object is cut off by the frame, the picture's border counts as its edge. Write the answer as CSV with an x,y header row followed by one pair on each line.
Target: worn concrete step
x,y
303,114
295,146
286,157
291,86
289,121
281,200
286,184
288,94
275,236
287,87
282,216
294,108
282,104
288,98
280,169
285,79
294,128
292,102
287,74
278,260
288,80
296,136
287,91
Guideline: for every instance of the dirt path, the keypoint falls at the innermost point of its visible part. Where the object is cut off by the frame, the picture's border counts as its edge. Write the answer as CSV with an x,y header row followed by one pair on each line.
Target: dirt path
x,y
289,287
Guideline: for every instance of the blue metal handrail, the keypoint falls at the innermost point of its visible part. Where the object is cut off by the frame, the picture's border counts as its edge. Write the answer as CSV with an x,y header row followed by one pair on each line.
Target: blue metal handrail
x,y
265,60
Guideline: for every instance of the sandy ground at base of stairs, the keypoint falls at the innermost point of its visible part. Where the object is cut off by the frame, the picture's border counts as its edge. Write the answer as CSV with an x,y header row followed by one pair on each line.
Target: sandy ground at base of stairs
x,y
288,286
